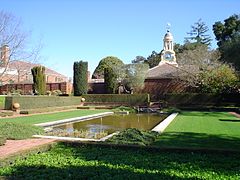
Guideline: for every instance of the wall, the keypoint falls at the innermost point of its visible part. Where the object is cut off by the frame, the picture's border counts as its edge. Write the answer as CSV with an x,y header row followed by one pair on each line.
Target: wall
x,y
64,87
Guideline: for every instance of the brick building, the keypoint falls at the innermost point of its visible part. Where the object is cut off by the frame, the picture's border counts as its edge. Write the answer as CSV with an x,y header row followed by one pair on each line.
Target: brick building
x,y
17,75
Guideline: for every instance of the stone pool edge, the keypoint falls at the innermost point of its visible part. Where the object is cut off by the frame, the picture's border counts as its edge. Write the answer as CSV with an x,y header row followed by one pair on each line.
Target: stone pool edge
x,y
164,124
82,118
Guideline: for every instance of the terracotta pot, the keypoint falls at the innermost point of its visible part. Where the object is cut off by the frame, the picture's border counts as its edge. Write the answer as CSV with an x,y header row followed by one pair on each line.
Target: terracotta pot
x,y
16,106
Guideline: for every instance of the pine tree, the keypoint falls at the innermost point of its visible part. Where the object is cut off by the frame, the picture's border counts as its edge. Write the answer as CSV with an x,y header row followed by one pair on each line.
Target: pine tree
x,y
80,81
39,80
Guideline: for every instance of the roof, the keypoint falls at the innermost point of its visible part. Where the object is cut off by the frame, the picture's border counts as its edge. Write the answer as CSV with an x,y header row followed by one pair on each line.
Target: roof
x,y
27,66
165,71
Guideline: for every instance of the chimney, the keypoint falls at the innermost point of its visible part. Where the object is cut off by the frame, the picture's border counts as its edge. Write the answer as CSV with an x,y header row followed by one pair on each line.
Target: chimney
x,y
4,54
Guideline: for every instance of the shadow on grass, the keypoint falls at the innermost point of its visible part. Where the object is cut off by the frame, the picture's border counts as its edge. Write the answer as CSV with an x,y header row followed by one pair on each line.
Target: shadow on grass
x,y
203,113
198,140
95,162
229,120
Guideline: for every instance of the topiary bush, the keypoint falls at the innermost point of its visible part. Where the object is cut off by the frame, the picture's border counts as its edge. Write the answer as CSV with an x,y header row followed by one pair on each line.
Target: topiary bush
x,y
134,136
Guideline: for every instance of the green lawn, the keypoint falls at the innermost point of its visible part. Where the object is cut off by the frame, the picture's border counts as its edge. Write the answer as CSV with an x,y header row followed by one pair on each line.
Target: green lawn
x,y
202,129
41,118
91,162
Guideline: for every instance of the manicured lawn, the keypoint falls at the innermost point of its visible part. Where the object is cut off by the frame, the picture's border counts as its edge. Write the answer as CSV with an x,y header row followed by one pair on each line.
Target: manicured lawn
x,y
202,129
89,162
41,118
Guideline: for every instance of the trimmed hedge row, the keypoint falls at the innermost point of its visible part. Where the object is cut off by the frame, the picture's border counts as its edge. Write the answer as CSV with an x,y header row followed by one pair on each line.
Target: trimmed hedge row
x,y
2,140
130,99
196,99
33,102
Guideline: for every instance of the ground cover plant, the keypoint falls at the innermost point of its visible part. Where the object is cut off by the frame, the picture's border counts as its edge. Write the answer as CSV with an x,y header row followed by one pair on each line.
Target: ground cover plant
x,y
41,118
218,130
10,130
91,162
77,133
134,136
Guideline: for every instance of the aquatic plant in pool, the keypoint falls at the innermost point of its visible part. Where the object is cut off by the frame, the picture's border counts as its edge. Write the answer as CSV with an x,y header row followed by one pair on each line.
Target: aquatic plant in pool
x,y
110,124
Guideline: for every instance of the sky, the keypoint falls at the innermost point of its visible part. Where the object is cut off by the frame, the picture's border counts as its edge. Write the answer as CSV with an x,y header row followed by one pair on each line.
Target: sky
x,y
89,30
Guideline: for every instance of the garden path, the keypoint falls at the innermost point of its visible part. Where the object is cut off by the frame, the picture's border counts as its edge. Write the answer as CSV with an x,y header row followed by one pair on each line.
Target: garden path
x,y
14,146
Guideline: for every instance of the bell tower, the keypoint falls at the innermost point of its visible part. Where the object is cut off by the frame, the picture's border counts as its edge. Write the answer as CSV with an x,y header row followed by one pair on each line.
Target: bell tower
x,y
168,54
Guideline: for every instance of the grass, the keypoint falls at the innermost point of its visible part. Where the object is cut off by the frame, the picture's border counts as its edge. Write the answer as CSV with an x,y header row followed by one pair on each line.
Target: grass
x,y
218,130
11,130
91,162
41,118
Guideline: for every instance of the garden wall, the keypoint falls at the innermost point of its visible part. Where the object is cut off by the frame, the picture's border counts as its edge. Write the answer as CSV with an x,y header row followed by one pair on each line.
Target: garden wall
x,y
33,102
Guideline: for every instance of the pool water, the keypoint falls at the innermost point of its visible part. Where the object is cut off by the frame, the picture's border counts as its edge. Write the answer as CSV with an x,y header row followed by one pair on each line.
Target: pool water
x,y
113,123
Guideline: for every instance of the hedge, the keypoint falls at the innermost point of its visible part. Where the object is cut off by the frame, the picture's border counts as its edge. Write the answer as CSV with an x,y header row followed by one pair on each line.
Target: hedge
x,y
2,140
196,99
129,99
33,102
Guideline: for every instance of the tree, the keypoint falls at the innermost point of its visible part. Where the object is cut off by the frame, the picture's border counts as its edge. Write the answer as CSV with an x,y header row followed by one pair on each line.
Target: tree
x,y
228,37
221,79
139,59
230,51
80,81
192,62
39,80
110,79
109,61
227,30
135,76
154,59
13,42
198,33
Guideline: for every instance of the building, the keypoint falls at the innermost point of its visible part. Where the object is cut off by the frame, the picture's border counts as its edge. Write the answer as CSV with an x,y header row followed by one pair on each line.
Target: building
x,y
164,78
18,73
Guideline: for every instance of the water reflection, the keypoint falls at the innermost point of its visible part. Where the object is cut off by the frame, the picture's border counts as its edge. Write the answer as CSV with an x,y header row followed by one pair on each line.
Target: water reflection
x,y
114,123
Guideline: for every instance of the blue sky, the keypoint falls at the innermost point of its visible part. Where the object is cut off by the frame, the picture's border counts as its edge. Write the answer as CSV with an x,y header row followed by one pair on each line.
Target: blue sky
x,y
89,30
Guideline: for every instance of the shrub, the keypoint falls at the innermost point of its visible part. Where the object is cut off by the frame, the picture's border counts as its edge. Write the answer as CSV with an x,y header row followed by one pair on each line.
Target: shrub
x,y
134,136
197,99
11,130
128,99
56,92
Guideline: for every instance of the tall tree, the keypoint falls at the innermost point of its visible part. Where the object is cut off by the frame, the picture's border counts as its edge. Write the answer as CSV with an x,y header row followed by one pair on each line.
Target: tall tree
x,y
109,61
13,42
39,80
198,33
154,59
139,59
110,79
80,80
228,37
226,31
135,76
